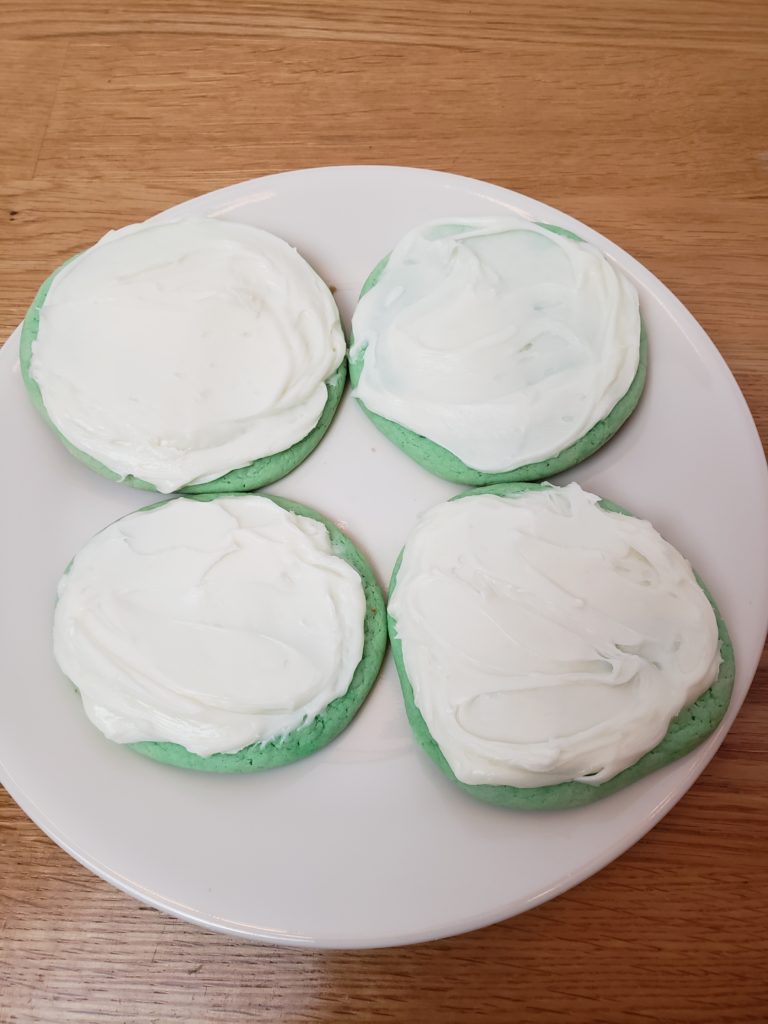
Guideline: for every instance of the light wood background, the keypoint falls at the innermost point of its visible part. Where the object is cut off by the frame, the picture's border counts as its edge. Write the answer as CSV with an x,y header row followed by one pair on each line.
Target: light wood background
x,y
647,120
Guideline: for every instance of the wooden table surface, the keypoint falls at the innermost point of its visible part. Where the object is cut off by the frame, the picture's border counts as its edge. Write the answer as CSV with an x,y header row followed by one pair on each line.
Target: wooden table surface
x,y
649,121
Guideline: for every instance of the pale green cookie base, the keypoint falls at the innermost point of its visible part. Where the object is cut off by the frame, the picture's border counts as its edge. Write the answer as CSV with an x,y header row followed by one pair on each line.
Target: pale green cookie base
x,y
248,478
445,464
690,728
337,715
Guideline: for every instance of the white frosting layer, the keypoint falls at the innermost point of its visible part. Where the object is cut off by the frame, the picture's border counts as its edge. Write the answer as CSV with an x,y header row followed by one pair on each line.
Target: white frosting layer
x,y
179,351
547,639
211,624
497,339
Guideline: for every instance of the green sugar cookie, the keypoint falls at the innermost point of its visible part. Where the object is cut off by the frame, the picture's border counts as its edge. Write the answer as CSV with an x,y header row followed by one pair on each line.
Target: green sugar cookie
x,y
256,474
443,463
686,731
320,730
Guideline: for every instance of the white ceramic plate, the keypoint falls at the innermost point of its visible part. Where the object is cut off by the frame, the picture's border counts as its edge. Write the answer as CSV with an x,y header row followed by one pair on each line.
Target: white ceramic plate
x,y
365,843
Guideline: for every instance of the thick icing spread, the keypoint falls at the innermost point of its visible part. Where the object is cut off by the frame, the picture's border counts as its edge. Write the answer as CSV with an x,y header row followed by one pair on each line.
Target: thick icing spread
x,y
548,639
212,624
179,351
497,339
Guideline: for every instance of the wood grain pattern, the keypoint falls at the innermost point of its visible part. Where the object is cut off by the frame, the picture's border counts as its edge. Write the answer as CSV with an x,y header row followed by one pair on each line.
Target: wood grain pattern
x,y
647,120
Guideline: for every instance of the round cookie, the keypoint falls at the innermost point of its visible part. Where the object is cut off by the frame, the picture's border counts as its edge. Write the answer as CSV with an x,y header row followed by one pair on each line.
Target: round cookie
x,y
337,715
259,473
686,731
443,463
